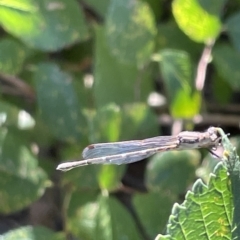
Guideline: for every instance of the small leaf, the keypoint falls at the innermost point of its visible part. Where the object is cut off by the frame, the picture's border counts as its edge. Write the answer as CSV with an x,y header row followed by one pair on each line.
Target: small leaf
x,y
206,212
29,232
12,56
195,21
177,72
226,60
44,24
21,181
130,31
58,104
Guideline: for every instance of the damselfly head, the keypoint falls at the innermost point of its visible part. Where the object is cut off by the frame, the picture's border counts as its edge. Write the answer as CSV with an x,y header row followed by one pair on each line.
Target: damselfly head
x,y
214,136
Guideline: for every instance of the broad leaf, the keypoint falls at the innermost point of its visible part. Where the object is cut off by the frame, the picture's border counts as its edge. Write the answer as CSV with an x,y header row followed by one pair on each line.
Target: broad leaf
x,y
81,215
58,104
232,27
29,232
116,82
44,24
114,221
195,21
226,60
153,209
172,171
101,218
21,180
130,31
206,212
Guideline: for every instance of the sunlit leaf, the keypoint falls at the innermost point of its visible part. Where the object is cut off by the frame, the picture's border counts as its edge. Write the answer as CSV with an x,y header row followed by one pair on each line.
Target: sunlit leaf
x,y
44,24
176,69
82,212
114,221
21,180
116,82
29,232
58,104
130,31
206,212
195,21
110,176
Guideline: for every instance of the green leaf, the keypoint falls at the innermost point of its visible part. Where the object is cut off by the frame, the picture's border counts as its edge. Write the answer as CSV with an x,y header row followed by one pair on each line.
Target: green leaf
x,y
44,24
153,209
58,104
29,232
206,212
226,60
100,218
116,82
82,178
12,56
195,21
21,180
177,72
232,162
130,31
232,27
173,171
82,211
109,177
114,221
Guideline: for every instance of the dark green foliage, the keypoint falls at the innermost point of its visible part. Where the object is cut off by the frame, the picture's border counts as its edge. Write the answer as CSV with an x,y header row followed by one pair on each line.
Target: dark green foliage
x,y
73,73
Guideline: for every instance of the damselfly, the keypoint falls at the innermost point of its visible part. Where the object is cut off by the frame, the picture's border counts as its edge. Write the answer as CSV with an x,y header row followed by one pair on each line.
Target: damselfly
x,y
136,150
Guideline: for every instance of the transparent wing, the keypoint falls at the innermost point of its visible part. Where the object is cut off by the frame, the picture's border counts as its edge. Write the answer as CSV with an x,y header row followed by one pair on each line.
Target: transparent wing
x,y
118,159
116,148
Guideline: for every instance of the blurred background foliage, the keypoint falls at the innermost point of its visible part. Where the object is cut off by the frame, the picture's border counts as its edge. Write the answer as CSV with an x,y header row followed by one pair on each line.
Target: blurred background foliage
x,y
79,72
